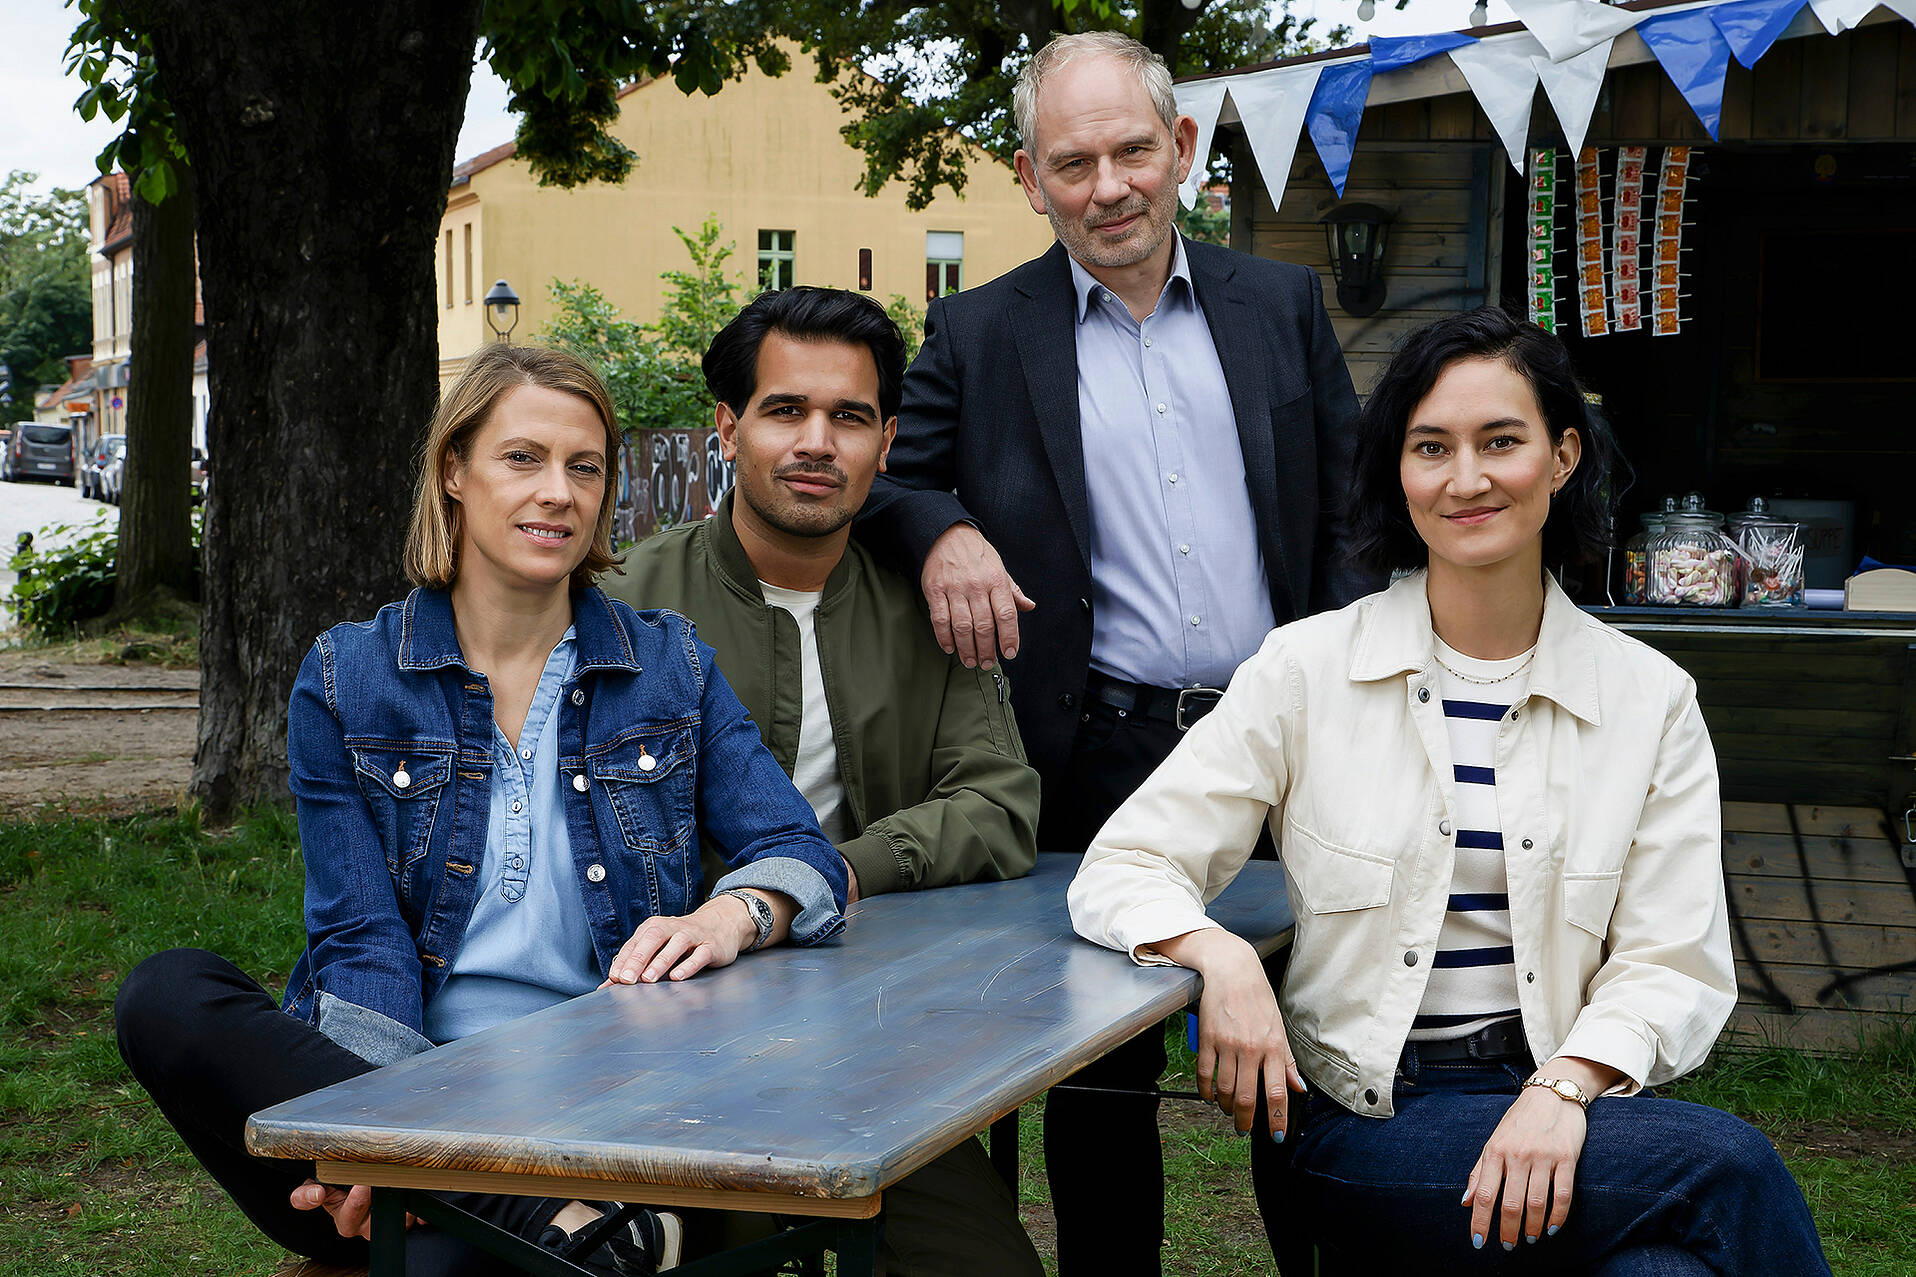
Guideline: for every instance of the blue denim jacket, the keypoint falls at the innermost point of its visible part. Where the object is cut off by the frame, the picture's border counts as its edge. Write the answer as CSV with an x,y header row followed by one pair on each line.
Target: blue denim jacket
x,y
389,740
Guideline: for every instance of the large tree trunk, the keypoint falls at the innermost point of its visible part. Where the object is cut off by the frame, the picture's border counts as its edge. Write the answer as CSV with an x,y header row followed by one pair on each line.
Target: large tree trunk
x,y
322,137
156,517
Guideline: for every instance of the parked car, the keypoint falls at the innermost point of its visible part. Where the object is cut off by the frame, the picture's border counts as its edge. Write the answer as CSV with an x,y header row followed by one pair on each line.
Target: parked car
x,y
113,473
95,464
6,437
39,451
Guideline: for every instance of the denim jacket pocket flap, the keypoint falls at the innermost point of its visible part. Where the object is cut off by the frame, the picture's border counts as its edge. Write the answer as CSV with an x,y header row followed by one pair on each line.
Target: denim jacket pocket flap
x,y
403,773
1332,878
643,757
1589,899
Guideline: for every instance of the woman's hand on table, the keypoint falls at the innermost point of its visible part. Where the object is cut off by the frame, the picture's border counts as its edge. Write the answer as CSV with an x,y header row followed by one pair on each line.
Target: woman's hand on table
x,y
713,935
1521,1186
1240,1031
351,1208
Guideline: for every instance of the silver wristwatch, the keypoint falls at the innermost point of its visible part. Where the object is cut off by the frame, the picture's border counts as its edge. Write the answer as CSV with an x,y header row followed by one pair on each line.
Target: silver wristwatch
x,y
761,915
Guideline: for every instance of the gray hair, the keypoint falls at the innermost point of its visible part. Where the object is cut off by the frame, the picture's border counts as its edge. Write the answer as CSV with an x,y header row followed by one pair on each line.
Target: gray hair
x,y
1150,69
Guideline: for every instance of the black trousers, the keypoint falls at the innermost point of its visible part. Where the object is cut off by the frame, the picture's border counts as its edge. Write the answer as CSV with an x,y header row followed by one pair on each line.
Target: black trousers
x,y
1101,1151
212,1048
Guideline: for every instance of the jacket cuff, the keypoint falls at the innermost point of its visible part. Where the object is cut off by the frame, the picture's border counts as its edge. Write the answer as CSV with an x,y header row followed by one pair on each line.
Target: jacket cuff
x,y
1606,1040
377,1039
818,917
879,868
1146,926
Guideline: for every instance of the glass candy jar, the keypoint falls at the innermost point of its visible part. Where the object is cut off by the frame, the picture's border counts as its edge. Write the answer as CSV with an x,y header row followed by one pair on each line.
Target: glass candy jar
x,y
1771,551
1636,555
1692,564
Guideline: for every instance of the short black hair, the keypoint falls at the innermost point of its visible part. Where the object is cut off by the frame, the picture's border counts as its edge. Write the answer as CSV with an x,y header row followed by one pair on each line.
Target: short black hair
x,y
804,313
1579,525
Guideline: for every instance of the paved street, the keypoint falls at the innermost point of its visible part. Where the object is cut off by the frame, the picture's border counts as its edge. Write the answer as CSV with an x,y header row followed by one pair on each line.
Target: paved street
x,y
29,507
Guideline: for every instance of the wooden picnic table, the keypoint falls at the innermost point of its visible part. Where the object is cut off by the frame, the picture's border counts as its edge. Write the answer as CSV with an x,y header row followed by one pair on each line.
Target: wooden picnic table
x,y
798,1081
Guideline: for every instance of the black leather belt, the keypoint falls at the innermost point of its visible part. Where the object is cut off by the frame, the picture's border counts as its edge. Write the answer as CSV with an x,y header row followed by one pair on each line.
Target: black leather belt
x,y
1179,706
1503,1040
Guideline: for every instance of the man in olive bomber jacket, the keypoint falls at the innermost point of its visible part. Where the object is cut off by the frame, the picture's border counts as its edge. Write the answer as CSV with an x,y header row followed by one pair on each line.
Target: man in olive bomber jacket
x,y
912,762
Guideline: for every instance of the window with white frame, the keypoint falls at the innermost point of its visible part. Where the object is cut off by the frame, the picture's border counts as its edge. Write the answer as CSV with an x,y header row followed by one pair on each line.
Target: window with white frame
x,y
777,259
944,263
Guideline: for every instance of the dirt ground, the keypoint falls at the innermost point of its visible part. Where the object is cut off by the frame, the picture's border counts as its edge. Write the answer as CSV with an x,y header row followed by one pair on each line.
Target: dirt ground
x,y
80,735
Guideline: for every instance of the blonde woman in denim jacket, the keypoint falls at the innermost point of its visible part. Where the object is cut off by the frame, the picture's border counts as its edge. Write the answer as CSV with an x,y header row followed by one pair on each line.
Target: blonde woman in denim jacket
x,y
1500,828
501,783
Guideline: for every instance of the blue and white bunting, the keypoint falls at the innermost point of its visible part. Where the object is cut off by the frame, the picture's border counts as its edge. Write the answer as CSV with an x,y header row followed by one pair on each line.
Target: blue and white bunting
x,y
1394,52
1567,28
1696,57
1502,73
1271,105
1336,111
1201,100
1751,26
1572,86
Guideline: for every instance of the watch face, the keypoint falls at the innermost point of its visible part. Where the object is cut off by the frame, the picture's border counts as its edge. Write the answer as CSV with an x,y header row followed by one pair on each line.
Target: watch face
x,y
1567,1089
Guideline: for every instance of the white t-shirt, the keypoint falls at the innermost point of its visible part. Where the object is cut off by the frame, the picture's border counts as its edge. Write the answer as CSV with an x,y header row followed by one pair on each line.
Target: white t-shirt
x,y
817,772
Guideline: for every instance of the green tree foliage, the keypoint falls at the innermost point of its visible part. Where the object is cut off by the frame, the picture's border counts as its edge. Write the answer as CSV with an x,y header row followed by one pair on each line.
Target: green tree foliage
x,y
653,370
910,74
46,303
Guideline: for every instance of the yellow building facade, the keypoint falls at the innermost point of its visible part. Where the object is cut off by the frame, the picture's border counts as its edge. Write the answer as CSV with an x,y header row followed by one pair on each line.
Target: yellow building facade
x,y
765,157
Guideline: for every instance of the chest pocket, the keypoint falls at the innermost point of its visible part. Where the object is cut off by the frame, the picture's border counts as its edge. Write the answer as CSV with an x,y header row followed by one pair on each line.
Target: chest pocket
x,y
404,790
1333,878
649,777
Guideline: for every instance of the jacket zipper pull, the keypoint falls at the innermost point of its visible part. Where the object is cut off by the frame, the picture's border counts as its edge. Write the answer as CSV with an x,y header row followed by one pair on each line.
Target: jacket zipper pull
x,y
999,678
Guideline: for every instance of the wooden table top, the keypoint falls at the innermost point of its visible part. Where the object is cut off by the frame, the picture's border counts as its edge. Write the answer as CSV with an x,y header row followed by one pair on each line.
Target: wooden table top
x,y
827,1072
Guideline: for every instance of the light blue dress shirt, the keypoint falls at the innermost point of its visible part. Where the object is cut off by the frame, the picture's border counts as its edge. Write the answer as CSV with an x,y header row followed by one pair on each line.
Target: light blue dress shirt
x,y
1179,594
527,945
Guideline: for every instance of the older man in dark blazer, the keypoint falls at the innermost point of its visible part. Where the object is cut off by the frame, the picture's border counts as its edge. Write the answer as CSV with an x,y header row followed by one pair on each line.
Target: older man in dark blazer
x,y
1141,442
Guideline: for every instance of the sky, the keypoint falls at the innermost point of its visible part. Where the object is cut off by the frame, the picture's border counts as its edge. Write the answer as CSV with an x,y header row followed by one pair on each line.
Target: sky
x,y
44,135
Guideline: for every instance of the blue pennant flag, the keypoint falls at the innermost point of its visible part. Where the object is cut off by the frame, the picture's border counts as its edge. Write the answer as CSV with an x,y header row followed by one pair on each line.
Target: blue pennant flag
x,y
1389,52
1337,108
1751,26
1695,56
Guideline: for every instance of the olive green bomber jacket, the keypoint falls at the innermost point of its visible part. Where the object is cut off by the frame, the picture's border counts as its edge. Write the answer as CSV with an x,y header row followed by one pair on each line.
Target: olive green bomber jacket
x,y
936,783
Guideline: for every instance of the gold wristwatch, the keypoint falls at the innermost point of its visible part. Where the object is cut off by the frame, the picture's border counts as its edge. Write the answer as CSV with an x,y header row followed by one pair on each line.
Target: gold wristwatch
x,y
1562,1086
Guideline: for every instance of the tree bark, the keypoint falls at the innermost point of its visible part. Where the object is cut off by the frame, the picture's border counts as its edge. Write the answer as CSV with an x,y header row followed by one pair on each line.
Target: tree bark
x,y
156,517
1162,26
322,137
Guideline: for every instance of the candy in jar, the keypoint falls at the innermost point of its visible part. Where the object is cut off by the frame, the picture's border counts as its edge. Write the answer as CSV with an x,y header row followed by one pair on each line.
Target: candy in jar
x,y
1692,564
1772,552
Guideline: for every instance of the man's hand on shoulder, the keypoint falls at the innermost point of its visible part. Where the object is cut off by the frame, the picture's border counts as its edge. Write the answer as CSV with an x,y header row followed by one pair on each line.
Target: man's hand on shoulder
x,y
974,602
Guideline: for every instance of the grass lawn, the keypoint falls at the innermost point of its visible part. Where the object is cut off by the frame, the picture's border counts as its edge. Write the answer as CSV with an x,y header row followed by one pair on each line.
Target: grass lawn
x,y
93,1181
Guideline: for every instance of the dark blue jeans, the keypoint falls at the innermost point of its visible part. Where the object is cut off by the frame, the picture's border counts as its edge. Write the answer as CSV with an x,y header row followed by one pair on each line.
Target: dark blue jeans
x,y
1662,1187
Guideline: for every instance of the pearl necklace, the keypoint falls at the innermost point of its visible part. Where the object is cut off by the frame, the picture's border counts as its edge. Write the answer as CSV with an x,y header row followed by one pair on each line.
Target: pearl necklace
x,y
1488,682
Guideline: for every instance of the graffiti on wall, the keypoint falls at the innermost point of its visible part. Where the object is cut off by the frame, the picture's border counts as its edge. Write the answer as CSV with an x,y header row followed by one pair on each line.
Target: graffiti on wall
x,y
667,477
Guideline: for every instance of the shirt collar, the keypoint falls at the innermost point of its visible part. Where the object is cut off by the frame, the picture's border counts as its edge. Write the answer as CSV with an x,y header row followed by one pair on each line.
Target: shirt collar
x,y
429,641
1395,637
1084,283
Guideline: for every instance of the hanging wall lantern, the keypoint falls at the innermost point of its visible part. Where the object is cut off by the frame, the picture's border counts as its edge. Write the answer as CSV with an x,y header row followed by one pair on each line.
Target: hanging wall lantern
x,y
1356,233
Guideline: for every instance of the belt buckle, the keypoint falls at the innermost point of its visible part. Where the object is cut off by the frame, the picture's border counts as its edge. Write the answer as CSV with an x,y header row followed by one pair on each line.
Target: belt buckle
x,y
1205,698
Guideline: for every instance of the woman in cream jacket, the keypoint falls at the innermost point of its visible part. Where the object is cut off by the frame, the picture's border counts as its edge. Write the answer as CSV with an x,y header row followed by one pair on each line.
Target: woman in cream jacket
x,y
1500,828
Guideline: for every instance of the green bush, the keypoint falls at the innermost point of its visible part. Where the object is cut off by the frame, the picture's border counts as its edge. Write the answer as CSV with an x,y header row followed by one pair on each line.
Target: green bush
x,y
69,583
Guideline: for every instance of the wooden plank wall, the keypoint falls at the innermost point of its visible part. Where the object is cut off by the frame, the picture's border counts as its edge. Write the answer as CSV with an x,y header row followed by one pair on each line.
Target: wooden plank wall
x,y
1803,719
1822,922
1440,257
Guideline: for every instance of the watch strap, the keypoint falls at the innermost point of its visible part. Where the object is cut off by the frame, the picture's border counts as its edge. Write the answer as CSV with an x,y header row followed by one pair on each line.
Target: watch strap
x,y
761,915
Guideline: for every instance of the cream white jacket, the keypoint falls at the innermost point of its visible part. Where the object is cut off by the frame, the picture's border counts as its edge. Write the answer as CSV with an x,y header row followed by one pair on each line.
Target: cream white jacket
x,y
1334,734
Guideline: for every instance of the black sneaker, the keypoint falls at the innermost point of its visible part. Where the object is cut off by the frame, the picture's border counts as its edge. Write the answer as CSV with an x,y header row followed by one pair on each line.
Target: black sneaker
x,y
648,1243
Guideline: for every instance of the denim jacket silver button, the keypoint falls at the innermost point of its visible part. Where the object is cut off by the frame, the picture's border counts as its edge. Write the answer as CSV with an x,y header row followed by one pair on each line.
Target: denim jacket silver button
x,y
400,779
595,873
646,761
578,697
578,783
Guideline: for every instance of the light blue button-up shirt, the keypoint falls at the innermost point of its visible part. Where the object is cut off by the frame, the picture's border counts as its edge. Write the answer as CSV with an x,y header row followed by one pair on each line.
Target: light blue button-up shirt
x,y
1179,593
527,945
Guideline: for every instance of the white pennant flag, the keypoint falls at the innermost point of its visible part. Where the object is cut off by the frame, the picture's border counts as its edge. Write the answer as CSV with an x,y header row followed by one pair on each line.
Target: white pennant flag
x,y
1502,72
1202,100
1271,106
1838,16
1906,8
1572,87
1566,28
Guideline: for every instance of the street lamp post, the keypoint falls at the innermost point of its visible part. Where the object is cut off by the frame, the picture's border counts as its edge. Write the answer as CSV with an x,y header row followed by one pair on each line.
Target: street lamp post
x,y
502,310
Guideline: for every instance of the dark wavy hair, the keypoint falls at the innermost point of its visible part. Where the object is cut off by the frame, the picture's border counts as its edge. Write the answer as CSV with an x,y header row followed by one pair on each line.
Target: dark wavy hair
x,y
804,313
1579,525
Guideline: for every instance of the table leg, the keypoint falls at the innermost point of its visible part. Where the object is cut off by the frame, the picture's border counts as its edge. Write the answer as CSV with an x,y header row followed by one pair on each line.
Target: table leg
x,y
1004,1150
857,1247
389,1232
